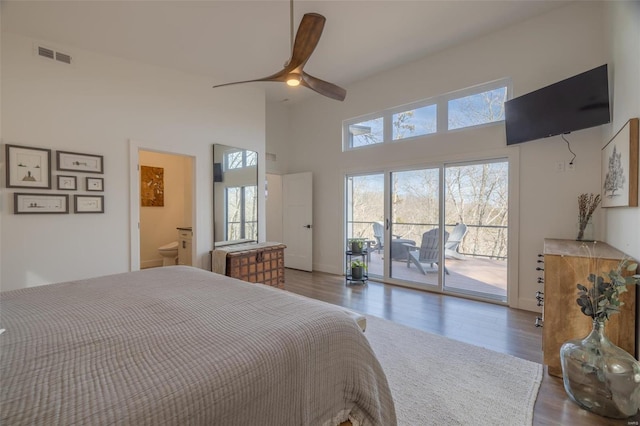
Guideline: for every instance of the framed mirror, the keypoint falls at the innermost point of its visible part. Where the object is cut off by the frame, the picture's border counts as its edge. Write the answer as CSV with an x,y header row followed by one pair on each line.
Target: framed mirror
x,y
235,195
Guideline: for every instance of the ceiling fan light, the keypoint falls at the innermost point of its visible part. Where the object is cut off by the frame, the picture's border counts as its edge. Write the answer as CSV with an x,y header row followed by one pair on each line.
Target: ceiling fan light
x,y
293,79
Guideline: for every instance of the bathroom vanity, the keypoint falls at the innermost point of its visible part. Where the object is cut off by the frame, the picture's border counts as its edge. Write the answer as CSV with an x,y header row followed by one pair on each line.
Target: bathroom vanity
x,y
185,251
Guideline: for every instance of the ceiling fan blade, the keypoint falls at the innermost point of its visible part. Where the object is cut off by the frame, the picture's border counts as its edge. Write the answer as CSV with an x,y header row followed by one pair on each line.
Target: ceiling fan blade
x,y
307,38
280,76
325,88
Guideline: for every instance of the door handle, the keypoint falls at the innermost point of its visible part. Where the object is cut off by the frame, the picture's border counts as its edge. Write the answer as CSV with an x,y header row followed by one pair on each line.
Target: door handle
x,y
386,221
306,226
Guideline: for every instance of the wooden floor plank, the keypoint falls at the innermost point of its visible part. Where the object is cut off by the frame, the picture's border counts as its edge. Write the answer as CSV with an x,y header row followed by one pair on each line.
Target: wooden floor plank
x,y
495,327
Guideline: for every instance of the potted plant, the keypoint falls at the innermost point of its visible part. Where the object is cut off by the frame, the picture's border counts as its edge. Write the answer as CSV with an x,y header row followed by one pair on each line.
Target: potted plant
x,y
358,269
598,375
356,244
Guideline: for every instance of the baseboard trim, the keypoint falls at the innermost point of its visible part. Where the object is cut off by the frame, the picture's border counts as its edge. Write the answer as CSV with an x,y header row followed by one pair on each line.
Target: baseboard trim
x,y
529,305
327,269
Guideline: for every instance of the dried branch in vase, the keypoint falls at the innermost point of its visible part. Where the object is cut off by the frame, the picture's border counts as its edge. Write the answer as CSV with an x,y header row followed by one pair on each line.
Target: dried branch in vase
x,y
587,204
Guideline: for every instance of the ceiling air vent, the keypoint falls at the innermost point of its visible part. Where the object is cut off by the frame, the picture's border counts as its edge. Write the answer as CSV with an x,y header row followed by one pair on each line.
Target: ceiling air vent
x,y
63,57
47,53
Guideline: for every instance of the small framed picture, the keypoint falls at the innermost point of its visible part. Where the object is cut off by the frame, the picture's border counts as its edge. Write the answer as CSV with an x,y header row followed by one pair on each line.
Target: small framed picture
x,y
40,203
28,167
67,183
88,204
95,184
76,162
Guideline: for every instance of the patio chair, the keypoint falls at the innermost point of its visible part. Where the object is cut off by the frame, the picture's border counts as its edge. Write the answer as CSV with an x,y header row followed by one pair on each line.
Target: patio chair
x,y
429,251
378,234
453,243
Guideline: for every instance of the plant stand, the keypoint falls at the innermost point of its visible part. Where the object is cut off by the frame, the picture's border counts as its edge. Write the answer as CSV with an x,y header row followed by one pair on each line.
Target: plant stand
x,y
363,256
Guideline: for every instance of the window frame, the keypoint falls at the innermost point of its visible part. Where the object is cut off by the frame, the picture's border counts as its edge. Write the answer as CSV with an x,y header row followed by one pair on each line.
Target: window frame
x,y
442,114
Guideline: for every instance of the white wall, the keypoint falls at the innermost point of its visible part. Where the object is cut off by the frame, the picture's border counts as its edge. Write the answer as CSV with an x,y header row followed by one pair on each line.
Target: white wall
x,y
623,37
535,53
623,41
96,106
277,136
2,165
274,208
158,223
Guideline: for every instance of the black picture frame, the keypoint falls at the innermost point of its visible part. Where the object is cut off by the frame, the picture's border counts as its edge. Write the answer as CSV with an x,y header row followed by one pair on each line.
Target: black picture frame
x,y
78,162
67,183
28,167
30,203
88,204
94,184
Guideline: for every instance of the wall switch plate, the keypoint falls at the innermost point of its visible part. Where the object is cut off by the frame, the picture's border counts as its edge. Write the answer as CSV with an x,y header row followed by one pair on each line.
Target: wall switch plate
x,y
559,167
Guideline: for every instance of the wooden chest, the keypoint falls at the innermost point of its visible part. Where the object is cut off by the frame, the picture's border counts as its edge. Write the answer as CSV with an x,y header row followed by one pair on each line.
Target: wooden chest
x,y
262,264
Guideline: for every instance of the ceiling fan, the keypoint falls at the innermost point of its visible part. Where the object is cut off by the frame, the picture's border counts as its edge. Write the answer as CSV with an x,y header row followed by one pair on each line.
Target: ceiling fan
x,y
293,74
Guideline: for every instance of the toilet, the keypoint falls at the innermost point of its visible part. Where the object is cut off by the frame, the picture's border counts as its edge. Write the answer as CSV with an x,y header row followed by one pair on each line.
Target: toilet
x,y
169,253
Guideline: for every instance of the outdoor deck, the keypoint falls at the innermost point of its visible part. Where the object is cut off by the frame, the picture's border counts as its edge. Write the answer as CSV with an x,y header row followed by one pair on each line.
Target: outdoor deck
x,y
476,274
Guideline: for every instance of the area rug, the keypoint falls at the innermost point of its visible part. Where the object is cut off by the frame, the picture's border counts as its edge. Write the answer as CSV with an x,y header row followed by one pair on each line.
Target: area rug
x,y
439,381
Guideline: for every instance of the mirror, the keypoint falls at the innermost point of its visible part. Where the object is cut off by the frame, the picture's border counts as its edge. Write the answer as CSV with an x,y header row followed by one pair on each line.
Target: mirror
x,y
235,195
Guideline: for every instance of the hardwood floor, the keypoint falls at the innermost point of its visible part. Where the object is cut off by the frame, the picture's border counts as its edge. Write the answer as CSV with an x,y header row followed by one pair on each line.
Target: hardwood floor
x,y
495,327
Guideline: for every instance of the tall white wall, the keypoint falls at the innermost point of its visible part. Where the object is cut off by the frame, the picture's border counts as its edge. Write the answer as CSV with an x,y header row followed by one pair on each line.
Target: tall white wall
x,y
277,137
274,208
96,106
623,41
535,53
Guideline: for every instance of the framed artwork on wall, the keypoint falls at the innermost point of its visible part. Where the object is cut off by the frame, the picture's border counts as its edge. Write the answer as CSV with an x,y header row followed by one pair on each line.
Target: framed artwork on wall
x,y
88,204
67,183
40,203
619,182
28,167
76,162
151,186
95,184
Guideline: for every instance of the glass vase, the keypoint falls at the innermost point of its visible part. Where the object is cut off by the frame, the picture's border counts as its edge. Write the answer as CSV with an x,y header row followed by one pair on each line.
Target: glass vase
x,y
585,231
599,376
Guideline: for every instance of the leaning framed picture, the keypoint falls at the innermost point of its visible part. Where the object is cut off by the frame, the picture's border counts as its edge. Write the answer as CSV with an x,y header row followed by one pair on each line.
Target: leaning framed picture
x,y
620,167
95,184
88,204
40,203
67,183
28,167
76,162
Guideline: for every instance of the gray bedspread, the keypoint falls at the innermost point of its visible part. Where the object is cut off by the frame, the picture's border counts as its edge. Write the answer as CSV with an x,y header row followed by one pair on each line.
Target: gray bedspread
x,y
183,346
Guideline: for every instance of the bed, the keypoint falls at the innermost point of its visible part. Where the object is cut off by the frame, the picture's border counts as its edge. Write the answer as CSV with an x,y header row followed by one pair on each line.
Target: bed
x,y
183,346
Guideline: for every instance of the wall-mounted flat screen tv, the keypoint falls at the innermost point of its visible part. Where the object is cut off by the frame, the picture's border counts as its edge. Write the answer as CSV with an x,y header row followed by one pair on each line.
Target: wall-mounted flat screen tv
x,y
579,102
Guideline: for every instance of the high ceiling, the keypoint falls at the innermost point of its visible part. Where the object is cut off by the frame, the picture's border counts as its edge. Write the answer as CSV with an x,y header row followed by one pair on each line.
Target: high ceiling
x,y
241,40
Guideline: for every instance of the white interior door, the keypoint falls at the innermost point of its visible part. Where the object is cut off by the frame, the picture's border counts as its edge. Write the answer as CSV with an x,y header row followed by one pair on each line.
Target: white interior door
x,y
297,204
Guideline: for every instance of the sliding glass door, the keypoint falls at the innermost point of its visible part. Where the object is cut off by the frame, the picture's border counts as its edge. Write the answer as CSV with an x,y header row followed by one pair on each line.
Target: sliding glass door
x,y
415,212
400,218
365,217
476,212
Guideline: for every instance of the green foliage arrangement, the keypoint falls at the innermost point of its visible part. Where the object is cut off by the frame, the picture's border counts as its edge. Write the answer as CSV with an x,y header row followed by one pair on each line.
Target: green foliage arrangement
x,y
602,298
358,264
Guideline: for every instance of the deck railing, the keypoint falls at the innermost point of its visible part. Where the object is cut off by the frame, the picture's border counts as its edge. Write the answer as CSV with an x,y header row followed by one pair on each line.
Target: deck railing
x,y
488,241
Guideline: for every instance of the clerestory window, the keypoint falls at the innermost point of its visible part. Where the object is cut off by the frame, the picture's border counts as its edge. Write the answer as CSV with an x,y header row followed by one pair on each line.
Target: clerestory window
x,y
475,106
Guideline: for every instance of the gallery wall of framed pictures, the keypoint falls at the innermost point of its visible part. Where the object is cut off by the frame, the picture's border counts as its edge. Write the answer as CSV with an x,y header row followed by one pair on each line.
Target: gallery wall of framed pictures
x,y
31,168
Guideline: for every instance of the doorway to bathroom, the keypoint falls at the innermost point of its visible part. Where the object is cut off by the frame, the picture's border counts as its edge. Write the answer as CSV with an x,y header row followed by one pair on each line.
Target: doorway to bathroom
x,y
166,204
